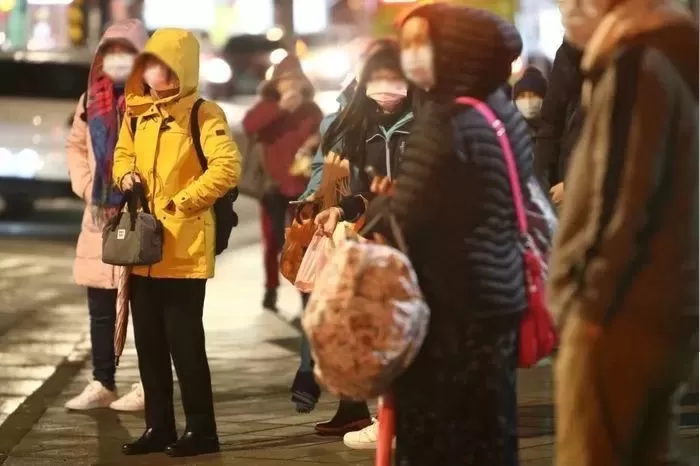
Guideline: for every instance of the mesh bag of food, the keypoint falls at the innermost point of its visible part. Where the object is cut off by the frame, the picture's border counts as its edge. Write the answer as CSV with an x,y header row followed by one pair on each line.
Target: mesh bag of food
x,y
366,319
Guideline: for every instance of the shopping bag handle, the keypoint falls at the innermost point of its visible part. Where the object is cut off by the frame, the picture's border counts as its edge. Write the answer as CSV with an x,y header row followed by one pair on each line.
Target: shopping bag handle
x,y
131,200
393,225
316,208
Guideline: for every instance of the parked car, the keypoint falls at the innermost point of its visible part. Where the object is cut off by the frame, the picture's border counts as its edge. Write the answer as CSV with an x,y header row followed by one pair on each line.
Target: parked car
x,y
38,96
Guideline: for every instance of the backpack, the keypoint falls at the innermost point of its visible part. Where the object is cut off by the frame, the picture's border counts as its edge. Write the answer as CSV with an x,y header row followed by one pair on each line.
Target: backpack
x,y
225,217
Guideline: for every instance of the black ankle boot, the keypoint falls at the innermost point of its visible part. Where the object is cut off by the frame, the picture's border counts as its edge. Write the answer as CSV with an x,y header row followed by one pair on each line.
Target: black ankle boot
x,y
270,300
305,391
192,444
350,416
151,441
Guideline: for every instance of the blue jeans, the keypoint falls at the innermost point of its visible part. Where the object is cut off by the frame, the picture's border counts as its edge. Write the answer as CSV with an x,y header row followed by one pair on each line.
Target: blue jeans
x,y
102,305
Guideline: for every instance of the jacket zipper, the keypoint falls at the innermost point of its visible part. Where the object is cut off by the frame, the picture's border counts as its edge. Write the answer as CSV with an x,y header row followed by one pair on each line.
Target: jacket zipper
x,y
387,155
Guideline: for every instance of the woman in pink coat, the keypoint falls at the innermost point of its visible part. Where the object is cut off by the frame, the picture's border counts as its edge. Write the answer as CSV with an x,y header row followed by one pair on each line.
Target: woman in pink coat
x,y
90,151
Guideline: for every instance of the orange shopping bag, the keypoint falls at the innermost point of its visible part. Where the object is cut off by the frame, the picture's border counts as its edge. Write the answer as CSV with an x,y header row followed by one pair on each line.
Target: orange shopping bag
x,y
315,258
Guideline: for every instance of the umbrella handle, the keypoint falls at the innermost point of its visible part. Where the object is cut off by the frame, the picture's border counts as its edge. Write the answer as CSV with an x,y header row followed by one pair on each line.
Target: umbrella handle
x,y
387,429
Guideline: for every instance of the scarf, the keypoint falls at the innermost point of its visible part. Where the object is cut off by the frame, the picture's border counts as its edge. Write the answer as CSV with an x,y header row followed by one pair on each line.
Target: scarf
x,y
104,113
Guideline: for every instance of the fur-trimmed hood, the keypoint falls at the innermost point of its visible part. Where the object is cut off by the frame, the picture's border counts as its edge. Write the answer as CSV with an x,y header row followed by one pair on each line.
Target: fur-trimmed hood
x,y
628,19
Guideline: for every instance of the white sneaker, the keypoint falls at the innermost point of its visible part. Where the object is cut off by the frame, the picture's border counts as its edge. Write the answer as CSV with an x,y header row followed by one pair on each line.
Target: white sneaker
x,y
132,401
365,439
95,395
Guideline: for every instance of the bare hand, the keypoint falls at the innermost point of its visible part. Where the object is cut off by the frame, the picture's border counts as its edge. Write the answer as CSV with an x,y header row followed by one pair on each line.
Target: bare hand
x,y
327,220
557,193
382,185
291,101
379,238
129,180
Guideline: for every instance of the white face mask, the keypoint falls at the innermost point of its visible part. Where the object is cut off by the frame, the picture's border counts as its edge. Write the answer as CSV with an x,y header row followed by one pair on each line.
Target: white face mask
x,y
529,106
118,66
388,94
156,76
418,66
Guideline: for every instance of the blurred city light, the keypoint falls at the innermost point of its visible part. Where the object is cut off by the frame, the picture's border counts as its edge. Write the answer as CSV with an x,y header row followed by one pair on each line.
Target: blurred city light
x,y
301,48
332,63
6,6
551,31
165,13
49,2
253,17
517,67
216,70
274,34
310,16
277,55
23,164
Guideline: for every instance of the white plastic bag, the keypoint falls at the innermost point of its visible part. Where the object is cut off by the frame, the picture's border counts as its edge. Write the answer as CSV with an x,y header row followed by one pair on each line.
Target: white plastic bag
x,y
315,258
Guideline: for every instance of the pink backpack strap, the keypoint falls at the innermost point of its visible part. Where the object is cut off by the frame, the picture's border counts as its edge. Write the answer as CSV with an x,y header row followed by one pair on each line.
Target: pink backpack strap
x,y
500,130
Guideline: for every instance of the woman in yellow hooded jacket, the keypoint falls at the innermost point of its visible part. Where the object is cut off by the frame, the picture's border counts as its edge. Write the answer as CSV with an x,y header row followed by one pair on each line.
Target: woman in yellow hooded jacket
x,y
167,298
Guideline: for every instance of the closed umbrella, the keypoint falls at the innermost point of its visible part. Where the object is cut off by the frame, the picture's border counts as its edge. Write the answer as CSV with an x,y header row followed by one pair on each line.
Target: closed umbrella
x,y
122,321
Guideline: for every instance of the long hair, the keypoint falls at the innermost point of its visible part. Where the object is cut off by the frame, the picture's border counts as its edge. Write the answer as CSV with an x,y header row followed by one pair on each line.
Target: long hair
x,y
348,131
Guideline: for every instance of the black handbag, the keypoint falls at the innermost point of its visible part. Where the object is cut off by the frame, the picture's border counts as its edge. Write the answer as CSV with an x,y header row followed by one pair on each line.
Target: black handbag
x,y
133,237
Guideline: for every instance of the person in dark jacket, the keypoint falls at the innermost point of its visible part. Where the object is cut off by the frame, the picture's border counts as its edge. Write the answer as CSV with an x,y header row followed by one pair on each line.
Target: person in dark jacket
x,y
305,390
286,122
371,131
560,121
624,267
528,94
456,404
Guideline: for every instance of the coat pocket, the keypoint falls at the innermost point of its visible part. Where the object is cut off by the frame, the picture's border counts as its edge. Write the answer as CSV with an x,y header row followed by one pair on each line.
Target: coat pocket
x,y
186,236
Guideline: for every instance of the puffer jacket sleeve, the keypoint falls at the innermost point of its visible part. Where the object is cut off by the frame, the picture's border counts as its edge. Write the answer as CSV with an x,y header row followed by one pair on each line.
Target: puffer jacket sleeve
x,y
77,154
223,162
124,155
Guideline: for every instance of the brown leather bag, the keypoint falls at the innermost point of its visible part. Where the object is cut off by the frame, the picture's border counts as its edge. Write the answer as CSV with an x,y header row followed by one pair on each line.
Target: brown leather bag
x,y
334,184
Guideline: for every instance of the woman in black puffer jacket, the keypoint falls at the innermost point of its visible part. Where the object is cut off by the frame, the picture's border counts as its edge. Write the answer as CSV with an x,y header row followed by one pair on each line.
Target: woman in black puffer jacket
x,y
456,404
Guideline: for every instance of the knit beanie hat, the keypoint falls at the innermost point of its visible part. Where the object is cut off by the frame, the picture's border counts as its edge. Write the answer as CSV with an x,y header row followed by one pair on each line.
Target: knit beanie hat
x,y
290,65
533,81
474,49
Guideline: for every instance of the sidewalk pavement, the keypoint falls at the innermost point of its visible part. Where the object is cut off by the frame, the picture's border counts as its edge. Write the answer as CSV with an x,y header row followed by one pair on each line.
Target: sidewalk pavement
x,y
253,356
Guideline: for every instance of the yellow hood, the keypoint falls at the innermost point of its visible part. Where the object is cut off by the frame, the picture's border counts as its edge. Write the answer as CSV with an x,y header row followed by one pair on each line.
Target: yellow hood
x,y
177,48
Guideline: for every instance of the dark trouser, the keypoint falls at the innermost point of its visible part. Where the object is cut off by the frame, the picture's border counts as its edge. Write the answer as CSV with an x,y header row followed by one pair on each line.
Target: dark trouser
x,y
167,316
102,305
456,404
307,363
275,214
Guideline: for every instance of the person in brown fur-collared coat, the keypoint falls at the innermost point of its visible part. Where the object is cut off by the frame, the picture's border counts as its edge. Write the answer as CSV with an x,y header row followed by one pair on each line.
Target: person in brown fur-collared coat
x,y
623,273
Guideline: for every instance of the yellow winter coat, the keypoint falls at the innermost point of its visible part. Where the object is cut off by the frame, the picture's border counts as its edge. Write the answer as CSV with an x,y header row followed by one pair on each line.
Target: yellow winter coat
x,y
163,155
